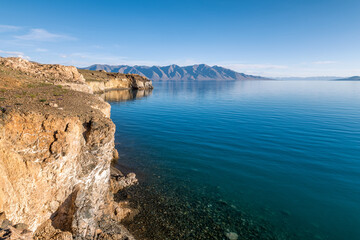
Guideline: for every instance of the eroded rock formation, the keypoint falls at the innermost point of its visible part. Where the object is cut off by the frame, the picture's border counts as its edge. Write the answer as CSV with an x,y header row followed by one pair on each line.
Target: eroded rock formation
x,y
56,148
101,81
67,76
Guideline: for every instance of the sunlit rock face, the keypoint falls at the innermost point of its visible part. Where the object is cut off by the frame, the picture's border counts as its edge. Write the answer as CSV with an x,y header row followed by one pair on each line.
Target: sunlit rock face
x,y
55,167
100,81
56,147
67,76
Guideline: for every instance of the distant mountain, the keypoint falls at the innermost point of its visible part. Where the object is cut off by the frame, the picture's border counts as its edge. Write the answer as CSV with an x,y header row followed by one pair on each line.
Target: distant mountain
x,y
175,72
321,78
354,78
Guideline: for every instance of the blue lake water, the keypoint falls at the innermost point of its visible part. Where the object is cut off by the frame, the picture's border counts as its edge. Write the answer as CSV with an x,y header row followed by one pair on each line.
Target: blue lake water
x,y
262,159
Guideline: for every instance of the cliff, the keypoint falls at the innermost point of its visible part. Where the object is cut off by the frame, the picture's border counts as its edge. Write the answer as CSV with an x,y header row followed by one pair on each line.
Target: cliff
x,y
101,81
56,148
17,72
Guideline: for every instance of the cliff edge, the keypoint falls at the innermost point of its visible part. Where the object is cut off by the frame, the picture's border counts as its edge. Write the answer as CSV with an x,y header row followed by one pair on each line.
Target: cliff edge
x,y
101,81
56,148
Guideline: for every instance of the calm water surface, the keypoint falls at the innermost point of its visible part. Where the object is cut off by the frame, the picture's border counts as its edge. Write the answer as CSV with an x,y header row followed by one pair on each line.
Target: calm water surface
x,y
262,159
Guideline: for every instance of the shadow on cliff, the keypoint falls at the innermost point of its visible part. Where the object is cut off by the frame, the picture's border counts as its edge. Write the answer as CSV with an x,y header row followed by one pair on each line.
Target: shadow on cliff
x,y
63,217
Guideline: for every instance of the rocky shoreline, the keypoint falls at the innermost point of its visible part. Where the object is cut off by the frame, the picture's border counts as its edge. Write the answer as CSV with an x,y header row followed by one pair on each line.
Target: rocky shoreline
x,y
102,81
56,150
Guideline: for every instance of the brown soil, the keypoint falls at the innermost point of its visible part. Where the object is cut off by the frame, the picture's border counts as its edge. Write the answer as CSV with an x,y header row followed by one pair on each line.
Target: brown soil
x,y
49,99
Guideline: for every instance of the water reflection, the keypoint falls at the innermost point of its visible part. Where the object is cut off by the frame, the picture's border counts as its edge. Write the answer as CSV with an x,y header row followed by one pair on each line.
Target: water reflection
x,y
124,95
199,88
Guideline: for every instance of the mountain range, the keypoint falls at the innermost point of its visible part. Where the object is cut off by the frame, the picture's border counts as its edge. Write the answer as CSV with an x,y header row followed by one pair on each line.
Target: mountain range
x,y
175,72
314,78
354,78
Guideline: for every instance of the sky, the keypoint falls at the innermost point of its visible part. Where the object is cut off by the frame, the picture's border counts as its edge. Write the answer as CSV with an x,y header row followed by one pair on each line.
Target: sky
x,y
272,38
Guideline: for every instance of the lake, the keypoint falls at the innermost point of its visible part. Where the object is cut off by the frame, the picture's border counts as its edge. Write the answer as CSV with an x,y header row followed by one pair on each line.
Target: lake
x,y
242,159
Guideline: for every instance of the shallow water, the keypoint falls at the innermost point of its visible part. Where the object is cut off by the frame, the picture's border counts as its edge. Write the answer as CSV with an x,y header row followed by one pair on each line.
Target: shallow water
x,y
263,159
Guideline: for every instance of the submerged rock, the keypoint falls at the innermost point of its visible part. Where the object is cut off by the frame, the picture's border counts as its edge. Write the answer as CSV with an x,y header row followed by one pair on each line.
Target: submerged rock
x,y
118,181
231,235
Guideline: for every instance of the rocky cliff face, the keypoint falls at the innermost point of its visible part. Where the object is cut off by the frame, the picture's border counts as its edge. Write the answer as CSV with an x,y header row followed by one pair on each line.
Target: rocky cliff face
x,y
101,81
56,147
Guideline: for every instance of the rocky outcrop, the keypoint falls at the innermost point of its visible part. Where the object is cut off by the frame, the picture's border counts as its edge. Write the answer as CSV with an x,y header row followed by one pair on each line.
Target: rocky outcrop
x,y
56,148
101,81
47,231
67,76
55,165
119,181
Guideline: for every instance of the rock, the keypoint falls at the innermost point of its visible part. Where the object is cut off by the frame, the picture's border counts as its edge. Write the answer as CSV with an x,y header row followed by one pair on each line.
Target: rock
x,y
53,105
21,226
60,160
123,211
119,182
56,164
47,232
67,76
112,230
2,217
115,155
5,223
100,81
44,71
231,235
12,233
115,173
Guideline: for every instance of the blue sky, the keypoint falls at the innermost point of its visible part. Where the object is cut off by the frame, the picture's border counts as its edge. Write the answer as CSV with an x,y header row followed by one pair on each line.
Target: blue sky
x,y
263,37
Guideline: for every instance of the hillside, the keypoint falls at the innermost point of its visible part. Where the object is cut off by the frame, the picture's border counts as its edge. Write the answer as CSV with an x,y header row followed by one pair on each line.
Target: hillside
x,y
175,72
354,78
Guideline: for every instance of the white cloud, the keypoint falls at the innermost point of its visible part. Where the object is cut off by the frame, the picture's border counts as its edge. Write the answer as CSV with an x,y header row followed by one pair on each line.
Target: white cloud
x,y
14,54
41,50
240,66
8,28
324,62
38,34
